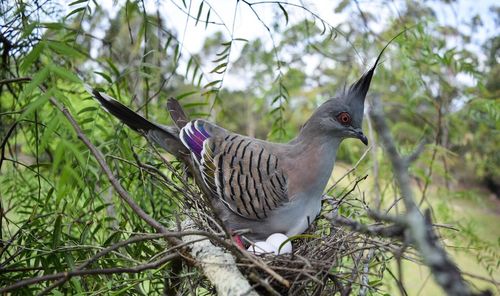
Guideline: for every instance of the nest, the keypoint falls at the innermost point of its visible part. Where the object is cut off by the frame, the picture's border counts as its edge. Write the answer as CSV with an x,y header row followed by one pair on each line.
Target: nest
x,y
327,259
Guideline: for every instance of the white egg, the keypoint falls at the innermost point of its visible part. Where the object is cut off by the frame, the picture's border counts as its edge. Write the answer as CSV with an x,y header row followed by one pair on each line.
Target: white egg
x,y
276,239
259,248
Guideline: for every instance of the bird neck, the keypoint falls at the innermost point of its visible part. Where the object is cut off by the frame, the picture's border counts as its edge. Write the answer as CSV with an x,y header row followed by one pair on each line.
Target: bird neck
x,y
314,154
323,146
313,136
316,145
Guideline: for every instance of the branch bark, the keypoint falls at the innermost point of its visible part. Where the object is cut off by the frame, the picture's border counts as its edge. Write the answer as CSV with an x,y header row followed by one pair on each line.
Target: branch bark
x,y
419,227
217,265
390,231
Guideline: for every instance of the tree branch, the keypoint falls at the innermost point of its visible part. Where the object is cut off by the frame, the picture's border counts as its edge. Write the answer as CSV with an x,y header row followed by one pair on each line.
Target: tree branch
x,y
210,258
69,274
391,231
217,265
420,231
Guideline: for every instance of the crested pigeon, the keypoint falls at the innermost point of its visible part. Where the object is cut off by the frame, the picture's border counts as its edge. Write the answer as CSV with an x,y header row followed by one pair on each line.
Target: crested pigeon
x,y
255,184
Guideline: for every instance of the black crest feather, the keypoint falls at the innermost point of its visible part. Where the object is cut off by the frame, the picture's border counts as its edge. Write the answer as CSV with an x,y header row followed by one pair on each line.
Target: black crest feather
x,y
356,94
359,89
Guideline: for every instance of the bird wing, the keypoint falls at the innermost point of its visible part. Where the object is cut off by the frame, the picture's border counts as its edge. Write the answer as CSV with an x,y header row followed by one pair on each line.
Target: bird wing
x,y
239,171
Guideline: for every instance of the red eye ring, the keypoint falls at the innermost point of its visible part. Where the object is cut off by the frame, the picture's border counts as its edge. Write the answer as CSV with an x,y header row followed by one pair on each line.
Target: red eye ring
x,y
344,118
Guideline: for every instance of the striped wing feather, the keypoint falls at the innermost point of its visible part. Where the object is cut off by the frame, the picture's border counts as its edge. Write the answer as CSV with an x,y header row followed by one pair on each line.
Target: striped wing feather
x,y
239,171
244,176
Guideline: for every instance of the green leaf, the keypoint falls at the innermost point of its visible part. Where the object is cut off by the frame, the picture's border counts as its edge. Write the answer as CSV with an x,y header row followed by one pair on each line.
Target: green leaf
x,y
228,46
69,260
284,12
56,235
30,58
113,67
208,18
199,114
104,75
64,49
64,73
87,109
199,13
50,131
58,156
35,105
188,66
275,110
192,105
77,2
53,26
75,11
342,5
87,120
210,92
176,53
186,94
49,195
199,80
219,68
208,85
220,59
298,236
28,29
196,69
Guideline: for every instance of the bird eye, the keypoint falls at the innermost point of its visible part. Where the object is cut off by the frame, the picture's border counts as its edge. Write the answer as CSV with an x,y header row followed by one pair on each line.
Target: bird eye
x,y
344,118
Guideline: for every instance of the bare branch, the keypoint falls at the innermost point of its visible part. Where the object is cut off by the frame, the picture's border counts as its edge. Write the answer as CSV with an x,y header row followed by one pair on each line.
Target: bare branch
x,y
68,274
15,80
350,170
104,166
420,231
217,265
390,231
417,152
102,253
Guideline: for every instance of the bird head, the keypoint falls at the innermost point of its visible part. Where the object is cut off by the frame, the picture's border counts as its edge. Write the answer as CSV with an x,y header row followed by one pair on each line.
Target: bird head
x,y
342,116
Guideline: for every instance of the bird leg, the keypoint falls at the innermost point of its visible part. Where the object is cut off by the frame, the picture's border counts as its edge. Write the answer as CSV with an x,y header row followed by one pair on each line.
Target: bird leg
x,y
238,241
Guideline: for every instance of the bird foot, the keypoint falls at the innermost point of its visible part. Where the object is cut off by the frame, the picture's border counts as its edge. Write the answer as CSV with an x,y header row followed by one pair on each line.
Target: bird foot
x,y
237,240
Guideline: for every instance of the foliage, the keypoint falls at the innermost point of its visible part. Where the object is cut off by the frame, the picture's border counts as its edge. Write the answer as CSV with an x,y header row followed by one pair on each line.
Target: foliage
x,y
57,207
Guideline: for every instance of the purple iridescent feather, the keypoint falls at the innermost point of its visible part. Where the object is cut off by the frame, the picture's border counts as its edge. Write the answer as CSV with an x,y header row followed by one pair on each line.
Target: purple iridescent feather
x,y
193,135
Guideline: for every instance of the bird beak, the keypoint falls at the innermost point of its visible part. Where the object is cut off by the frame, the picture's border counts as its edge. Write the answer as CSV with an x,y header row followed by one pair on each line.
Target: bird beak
x,y
359,135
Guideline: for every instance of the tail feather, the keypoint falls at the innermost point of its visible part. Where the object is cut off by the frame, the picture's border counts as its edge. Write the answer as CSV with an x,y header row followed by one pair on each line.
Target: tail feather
x,y
165,136
122,112
177,113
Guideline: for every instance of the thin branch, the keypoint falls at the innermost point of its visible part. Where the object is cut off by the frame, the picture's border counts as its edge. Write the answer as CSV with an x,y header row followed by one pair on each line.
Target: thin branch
x,y
351,169
391,231
124,195
191,238
417,152
102,253
68,274
15,80
420,231
364,276
482,278
217,265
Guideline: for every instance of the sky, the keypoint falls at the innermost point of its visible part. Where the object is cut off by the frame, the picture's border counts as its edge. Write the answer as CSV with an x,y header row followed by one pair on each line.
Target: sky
x,y
239,21
247,26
